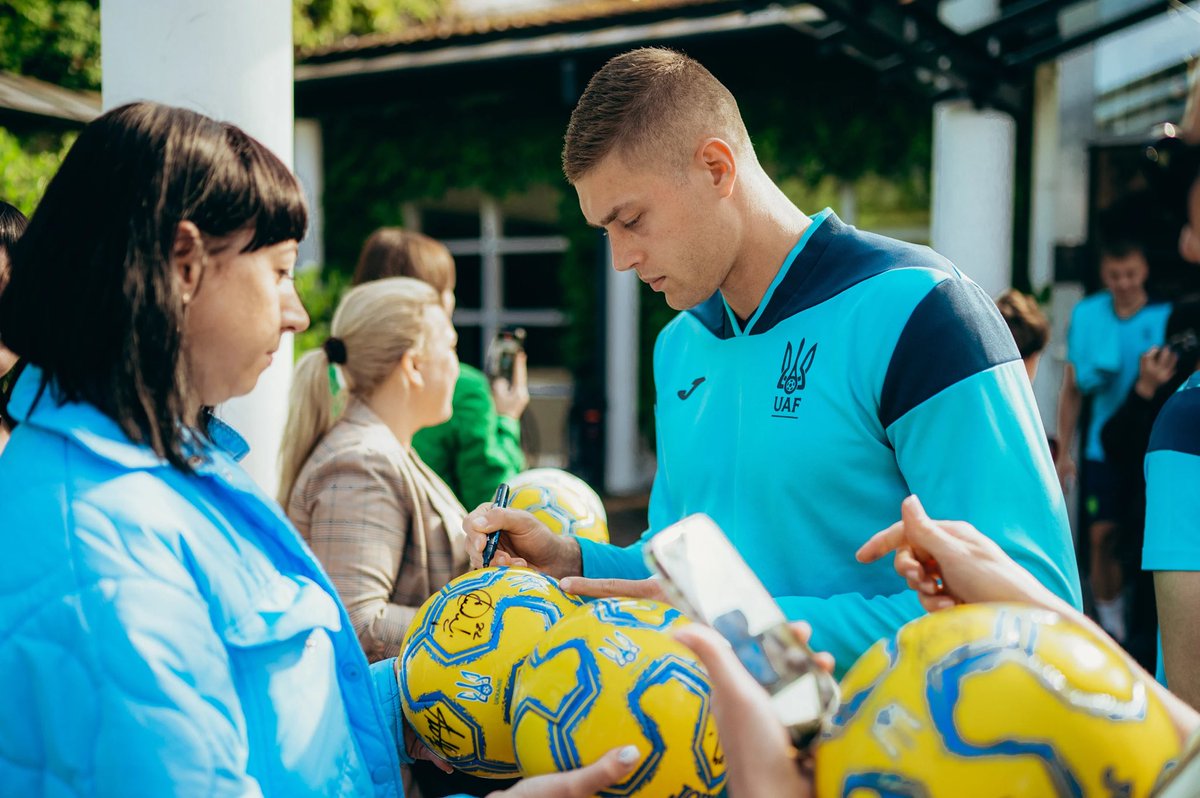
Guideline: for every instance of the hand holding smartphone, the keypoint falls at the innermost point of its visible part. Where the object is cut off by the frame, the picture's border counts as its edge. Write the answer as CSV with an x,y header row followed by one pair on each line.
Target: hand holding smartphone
x,y
704,576
502,353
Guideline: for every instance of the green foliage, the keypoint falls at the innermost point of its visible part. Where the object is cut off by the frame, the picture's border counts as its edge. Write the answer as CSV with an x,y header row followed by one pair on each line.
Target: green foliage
x,y
321,22
320,290
27,164
59,40
377,159
53,40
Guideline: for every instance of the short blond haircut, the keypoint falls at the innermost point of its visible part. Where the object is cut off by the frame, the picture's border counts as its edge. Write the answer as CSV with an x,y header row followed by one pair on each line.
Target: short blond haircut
x,y
650,105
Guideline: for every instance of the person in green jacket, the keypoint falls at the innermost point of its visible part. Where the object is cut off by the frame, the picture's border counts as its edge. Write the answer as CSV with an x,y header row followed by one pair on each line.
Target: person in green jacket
x,y
480,446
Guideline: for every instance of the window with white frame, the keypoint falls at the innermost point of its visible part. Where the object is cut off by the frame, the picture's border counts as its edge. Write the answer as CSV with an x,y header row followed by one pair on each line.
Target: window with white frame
x,y
508,257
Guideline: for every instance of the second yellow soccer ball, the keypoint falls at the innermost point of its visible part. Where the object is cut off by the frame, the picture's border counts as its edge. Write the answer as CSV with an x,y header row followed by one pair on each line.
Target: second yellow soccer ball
x,y
562,501
608,674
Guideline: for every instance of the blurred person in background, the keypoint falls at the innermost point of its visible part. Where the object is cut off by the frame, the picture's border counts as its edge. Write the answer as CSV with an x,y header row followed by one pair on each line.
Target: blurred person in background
x,y
386,528
479,446
1109,333
12,224
1029,326
1172,546
1126,438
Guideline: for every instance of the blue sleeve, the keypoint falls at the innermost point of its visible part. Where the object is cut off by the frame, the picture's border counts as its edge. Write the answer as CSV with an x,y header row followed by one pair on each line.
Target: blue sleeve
x,y
974,452
152,693
1172,475
848,624
1093,346
606,561
387,688
960,414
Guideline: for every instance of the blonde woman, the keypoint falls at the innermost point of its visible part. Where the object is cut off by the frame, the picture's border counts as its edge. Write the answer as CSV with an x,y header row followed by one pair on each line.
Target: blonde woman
x,y
480,445
386,528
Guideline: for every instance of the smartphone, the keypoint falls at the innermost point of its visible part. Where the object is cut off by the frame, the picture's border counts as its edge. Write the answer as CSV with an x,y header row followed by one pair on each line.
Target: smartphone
x,y
502,353
1185,345
703,574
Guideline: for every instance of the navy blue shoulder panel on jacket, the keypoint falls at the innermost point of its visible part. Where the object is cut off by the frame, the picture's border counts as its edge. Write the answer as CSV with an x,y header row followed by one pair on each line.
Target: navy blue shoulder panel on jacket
x,y
954,332
1177,428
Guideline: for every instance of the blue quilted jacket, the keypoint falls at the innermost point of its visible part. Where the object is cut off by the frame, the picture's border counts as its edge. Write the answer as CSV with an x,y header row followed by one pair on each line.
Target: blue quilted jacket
x,y
164,634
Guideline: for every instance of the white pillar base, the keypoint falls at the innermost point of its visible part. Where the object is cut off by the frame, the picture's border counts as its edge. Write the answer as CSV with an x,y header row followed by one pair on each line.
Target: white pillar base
x,y
622,467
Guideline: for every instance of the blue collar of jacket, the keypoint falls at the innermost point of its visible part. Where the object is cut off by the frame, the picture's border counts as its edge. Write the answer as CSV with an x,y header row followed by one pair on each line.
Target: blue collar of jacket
x,y
84,423
787,294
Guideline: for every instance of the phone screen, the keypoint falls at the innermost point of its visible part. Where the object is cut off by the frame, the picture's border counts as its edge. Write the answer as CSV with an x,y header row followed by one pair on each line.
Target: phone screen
x,y
706,577
713,579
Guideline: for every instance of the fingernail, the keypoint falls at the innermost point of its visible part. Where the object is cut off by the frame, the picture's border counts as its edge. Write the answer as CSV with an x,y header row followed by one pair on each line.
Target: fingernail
x,y
480,523
566,583
628,755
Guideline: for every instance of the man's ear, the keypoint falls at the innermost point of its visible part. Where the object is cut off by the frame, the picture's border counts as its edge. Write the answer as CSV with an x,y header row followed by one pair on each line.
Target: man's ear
x,y
409,365
716,157
187,259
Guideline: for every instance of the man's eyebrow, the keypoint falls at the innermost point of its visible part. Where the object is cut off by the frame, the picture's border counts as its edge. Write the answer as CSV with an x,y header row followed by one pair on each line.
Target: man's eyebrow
x,y
613,214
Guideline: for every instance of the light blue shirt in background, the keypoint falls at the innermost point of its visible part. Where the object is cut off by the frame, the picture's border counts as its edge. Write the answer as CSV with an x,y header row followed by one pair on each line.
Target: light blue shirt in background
x,y
1105,351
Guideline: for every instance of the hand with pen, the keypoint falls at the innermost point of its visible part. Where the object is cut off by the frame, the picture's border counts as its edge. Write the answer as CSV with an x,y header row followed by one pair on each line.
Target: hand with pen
x,y
498,535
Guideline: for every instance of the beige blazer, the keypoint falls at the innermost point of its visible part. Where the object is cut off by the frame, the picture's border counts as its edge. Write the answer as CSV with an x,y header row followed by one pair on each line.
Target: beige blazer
x,y
387,530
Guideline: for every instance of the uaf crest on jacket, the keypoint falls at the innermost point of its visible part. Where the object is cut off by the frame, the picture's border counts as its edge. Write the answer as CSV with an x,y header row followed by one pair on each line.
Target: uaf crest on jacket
x,y
793,374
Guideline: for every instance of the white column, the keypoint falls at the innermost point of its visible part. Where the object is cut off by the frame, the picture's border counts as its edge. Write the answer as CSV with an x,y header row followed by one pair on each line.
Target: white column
x,y
232,60
973,191
312,178
1043,226
622,467
965,16
848,202
491,227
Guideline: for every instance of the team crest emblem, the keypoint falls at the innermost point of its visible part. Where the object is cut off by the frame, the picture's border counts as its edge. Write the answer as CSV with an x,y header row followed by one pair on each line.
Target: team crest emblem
x,y
795,368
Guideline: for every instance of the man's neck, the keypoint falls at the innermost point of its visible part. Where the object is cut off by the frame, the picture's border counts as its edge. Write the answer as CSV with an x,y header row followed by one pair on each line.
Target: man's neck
x,y
771,232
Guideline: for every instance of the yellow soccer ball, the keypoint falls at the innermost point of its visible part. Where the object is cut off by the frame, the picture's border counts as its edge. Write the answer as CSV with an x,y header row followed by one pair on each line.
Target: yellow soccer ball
x,y
991,701
610,674
459,656
561,501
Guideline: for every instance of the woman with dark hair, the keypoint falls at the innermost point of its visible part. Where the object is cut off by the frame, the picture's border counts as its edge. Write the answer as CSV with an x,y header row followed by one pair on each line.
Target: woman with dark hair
x,y
12,224
166,632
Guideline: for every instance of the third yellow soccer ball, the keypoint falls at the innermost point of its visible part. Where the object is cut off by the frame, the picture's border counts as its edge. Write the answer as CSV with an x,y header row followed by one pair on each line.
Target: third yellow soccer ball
x,y
608,674
561,501
994,701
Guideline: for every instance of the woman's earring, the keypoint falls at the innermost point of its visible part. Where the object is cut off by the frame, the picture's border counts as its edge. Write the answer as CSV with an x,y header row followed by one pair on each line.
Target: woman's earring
x,y
187,297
